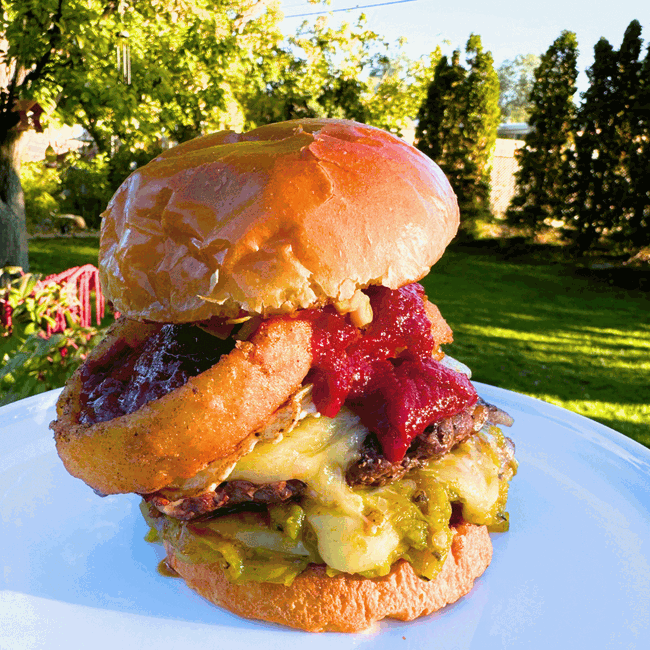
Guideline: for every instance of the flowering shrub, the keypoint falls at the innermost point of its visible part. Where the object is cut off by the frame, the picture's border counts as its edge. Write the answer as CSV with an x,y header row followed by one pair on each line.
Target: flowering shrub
x,y
46,329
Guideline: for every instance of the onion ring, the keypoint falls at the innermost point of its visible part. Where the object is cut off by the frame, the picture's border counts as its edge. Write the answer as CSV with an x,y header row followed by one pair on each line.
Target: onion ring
x,y
179,434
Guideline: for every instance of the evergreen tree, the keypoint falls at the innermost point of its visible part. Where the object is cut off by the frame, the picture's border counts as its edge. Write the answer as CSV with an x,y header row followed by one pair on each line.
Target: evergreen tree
x,y
439,131
637,228
611,146
544,189
482,119
596,157
457,125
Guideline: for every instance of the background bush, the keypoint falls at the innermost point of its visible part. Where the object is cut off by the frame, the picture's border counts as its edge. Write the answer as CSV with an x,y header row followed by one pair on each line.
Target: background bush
x,y
42,189
79,183
44,333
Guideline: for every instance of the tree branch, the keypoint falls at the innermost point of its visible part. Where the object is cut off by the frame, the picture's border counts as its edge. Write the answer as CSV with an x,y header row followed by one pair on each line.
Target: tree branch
x,y
54,35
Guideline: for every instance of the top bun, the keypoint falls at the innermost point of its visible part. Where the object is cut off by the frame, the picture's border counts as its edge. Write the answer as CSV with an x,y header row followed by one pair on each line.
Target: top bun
x,y
288,216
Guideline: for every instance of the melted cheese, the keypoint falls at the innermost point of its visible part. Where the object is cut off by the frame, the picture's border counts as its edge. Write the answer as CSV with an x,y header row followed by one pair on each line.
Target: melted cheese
x,y
317,452
470,474
345,544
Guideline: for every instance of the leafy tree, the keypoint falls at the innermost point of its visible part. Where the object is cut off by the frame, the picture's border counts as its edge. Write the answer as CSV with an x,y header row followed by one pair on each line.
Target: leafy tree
x,y
457,125
516,79
185,63
181,64
318,73
544,188
397,88
346,72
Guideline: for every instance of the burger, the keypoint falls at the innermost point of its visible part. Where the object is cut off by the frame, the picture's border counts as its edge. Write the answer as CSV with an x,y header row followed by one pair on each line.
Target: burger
x,y
275,387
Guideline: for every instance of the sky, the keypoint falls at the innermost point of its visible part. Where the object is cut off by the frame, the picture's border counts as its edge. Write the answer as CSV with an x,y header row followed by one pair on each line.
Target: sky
x,y
507,28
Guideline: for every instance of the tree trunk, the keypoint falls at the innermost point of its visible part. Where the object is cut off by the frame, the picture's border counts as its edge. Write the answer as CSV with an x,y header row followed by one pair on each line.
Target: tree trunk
x,y
13,227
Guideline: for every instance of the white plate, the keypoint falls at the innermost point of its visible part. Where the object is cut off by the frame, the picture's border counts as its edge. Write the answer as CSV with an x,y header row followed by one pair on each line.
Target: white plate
x,y
573,572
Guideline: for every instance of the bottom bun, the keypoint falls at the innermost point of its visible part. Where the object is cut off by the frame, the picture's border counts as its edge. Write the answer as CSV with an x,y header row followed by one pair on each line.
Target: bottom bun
x,y
316,602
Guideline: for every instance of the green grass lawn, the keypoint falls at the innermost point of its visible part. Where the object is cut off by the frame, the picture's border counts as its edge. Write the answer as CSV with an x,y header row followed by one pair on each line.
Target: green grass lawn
x,y
535,325
54,255
545,330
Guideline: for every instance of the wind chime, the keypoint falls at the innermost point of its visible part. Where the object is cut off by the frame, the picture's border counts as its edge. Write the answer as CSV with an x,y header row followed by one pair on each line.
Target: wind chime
x,y
124,56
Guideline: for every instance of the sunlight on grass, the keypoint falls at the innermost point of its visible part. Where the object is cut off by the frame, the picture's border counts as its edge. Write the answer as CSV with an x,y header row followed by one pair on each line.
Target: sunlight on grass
x,y
54,255
596,363
541,331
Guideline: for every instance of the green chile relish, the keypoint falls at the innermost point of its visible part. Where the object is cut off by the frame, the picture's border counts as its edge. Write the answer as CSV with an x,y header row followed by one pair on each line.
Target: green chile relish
x,y
385,373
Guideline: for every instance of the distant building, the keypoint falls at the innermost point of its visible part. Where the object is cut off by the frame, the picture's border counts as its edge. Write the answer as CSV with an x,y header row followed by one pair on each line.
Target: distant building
x,y
502,179
514,131
62,139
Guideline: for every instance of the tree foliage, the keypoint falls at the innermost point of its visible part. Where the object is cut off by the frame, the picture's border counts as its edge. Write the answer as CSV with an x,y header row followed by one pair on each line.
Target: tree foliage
x,y
457,125
516,79
544,188
587,167
346,72
165,69
138,75
597,146
612,147
638,148
131,73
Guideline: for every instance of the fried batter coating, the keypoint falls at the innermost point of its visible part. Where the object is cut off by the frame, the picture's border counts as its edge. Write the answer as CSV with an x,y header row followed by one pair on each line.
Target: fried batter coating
x,y
178,435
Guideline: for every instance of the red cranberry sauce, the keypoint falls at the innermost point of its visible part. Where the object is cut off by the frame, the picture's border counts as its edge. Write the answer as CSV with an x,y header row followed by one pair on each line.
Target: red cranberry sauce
x,y
385,373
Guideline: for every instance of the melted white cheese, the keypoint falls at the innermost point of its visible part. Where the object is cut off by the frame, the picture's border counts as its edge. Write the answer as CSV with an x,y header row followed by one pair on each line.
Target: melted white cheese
x,y
470,474
317,452
345,544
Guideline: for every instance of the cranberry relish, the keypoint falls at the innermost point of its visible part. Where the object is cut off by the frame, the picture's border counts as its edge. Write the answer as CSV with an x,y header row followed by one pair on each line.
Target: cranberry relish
x,y
134,376
385,373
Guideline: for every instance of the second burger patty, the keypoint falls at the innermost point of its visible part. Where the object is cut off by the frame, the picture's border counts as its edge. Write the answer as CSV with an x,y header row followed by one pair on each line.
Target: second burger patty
x,y
372,469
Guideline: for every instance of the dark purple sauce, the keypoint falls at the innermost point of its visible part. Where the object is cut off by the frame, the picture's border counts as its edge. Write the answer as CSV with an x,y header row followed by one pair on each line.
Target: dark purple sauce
x,y
135,376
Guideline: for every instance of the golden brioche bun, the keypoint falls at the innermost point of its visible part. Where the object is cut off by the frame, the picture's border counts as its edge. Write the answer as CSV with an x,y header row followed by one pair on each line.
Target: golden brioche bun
x,y
213,416
288,216
316,602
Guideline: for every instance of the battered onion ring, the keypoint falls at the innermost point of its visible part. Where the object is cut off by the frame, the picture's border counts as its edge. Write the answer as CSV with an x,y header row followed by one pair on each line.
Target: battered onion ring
x,y
178,435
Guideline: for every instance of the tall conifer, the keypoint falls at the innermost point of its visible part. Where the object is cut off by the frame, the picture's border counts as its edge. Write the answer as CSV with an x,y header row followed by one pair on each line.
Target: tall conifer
x,y
596,155
438,132
638,223
483,116
457,125
544,190
611,146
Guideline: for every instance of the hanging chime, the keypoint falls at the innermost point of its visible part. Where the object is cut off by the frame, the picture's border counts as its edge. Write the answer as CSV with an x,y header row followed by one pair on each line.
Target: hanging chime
x,y
124,56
